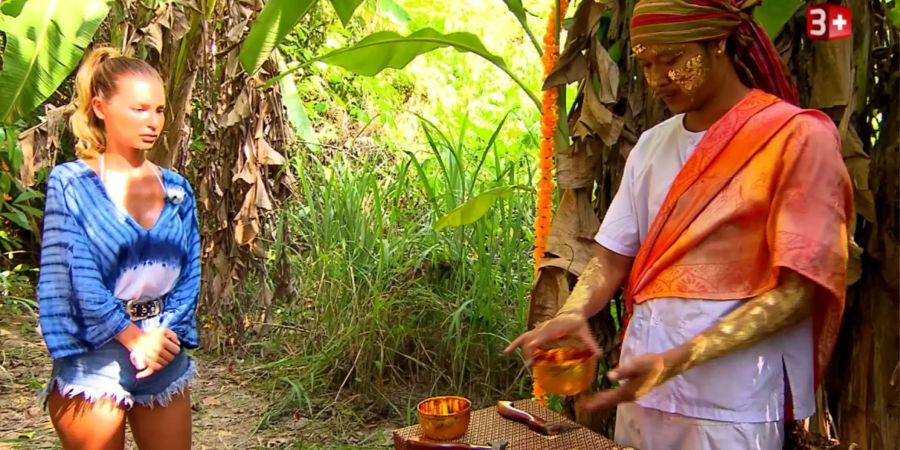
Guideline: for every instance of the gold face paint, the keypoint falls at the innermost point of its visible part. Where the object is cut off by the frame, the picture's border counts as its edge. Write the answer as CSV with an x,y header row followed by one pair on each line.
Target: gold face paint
x,y
683,65
690,74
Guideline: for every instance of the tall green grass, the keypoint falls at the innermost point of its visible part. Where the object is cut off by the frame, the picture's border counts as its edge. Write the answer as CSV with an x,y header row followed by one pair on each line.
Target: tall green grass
x,y
390,309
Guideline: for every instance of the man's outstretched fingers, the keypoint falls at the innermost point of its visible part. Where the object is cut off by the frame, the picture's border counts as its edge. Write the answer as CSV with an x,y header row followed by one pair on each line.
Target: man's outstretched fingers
x,y
528,350
516,343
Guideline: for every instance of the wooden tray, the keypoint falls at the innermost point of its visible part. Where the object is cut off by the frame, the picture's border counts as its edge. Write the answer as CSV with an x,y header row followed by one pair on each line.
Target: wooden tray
x,y
487,426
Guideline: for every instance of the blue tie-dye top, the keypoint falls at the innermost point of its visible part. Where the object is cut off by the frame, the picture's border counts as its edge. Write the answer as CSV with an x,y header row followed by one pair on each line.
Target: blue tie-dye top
x,y
95,257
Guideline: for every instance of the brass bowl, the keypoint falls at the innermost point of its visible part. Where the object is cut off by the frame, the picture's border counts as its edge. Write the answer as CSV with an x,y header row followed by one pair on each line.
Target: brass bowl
x,y
444,418
565,370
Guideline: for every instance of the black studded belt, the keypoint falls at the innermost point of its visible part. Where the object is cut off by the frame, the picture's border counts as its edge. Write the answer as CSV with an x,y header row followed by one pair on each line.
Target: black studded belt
x,y
142,309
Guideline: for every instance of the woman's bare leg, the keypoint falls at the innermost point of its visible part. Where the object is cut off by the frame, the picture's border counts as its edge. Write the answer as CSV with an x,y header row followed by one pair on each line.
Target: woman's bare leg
x,y
167,428
82,425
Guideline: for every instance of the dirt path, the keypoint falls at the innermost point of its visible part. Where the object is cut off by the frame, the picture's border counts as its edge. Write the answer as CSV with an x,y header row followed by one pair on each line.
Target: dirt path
x,y
227,407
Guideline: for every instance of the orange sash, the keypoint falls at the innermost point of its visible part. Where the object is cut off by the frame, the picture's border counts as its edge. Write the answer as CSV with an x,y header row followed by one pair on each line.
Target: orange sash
x,y
765,189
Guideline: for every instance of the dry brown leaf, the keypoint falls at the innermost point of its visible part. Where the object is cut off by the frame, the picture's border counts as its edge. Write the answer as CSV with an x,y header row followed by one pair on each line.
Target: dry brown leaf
x,y
616,18
596,119
26,171
203,193
585,22
262,194
857,162
222,216
635,93
863,198
246,224
550,290
593,114
211,401
193,5
573,65
247,174
577,167
572,231
239,112
41,142
57,121
152,33
153,36
608,72
854,265
179,24
570,68
267,155
830,73
289,181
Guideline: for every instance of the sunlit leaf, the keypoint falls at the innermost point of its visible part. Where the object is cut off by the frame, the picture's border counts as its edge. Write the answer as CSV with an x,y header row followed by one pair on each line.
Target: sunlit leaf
x,y
28,195
44,44
387,49
474,209
345,9
296,110
17,217
12,8
772,15
275,21
28,210
893,14
5,183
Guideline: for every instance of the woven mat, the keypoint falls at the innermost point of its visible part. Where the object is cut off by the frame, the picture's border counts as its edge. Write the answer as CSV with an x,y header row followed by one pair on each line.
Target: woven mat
x,y
487,426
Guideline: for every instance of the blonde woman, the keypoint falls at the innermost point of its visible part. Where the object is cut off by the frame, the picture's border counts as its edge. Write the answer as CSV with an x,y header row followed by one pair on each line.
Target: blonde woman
x,y
120,270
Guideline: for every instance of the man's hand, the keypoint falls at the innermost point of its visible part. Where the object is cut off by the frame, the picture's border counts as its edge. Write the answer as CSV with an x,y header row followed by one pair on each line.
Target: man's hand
x,y
563,326
753,321
602,275
637,377
153,350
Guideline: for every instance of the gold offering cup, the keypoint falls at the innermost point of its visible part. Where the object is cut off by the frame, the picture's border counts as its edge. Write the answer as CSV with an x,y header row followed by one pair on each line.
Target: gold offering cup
x,y
444,418
565,370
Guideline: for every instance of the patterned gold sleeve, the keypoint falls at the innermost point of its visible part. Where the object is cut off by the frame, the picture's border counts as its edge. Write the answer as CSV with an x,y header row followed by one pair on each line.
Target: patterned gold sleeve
x,y
755,320
590,278
602,275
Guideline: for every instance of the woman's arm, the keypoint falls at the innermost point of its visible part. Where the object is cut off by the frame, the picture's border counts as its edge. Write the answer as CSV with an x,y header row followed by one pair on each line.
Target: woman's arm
x,y
179,311
73,300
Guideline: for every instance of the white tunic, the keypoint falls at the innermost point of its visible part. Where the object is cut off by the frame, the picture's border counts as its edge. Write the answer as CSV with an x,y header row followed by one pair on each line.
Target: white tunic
x,y
744,386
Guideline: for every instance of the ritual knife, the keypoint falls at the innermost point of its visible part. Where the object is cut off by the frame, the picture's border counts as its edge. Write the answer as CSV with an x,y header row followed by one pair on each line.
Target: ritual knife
x,y
508,410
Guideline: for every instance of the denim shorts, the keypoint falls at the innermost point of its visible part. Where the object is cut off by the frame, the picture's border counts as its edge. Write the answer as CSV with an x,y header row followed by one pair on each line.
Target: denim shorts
x,y
108,372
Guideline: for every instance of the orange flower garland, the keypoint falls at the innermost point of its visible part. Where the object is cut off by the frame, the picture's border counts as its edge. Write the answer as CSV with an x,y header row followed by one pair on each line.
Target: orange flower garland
x,y
549,123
